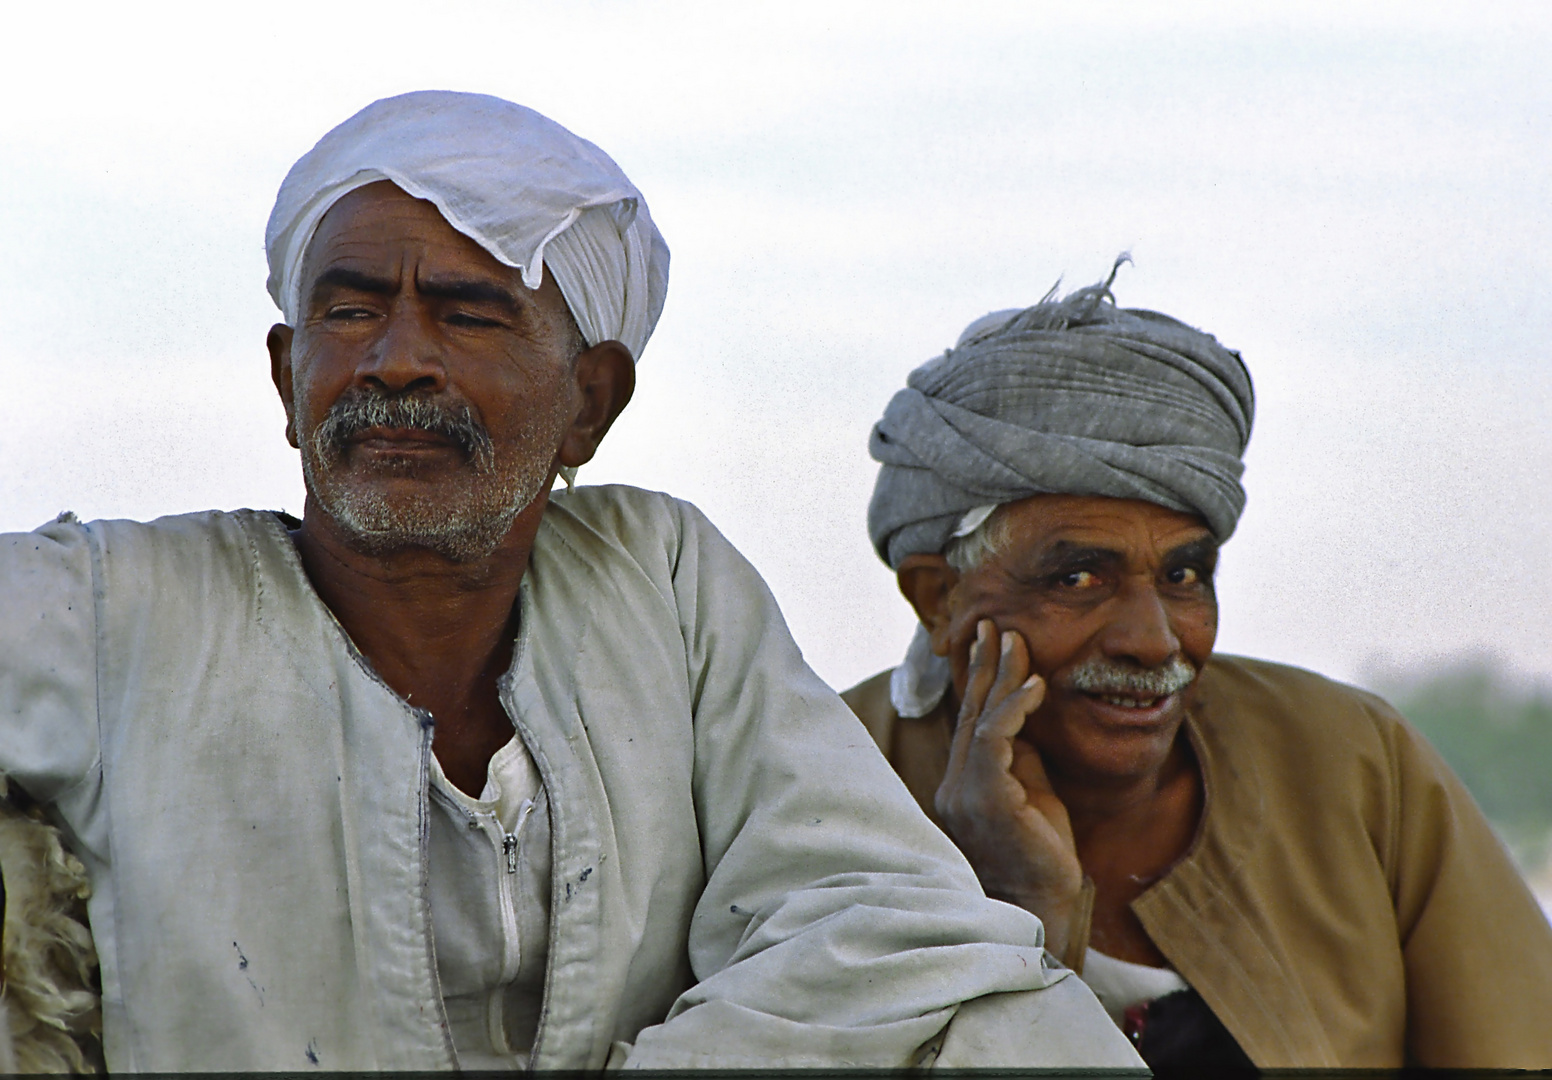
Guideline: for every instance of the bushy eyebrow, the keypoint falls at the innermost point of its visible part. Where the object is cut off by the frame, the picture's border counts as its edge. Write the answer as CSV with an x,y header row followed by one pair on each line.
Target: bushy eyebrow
x,y
1203,550
469,290
341,277
1066,555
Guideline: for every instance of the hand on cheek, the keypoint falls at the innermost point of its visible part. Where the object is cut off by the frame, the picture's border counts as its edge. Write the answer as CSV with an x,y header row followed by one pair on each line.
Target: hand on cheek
x,y
995,800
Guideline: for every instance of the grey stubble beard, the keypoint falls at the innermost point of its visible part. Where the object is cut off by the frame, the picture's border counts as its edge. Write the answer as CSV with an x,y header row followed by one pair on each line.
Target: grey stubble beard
x,y
463,518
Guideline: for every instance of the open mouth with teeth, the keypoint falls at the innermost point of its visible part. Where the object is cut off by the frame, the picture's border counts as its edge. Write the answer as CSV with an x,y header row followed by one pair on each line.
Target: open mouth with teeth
x,y
1131,705
1128,702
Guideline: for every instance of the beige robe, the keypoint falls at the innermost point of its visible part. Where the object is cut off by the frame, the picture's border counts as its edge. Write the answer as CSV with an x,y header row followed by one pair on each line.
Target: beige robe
x,y
1344,904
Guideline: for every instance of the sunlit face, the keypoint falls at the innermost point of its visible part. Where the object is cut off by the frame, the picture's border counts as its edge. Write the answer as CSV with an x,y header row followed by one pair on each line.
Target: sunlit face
x,y
1115,600
429,389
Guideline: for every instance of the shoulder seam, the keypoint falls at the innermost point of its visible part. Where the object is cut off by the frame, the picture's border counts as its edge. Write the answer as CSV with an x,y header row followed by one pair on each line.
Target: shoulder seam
x,y
94,546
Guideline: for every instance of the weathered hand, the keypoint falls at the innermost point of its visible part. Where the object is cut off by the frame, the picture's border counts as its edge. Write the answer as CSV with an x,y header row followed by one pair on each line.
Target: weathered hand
x,y
995,799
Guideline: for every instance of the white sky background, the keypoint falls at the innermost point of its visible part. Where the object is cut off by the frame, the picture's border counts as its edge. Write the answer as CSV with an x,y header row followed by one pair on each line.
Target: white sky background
x,y
1359,201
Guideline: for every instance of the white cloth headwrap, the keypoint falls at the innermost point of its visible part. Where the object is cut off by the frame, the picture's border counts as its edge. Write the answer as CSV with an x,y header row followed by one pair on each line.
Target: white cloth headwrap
x,y
524,188
923,677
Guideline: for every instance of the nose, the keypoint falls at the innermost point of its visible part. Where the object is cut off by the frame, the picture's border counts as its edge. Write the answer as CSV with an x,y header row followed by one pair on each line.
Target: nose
x,y
407,355
1140,629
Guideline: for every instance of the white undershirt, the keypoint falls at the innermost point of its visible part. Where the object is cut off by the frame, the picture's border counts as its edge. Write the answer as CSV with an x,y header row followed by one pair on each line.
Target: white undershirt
x,y
490,906
1120,984
490,903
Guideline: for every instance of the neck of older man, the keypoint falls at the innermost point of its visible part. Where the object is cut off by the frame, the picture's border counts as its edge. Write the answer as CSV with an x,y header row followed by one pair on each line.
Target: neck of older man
x,y
1103,803
438,632
1129,831
1129,827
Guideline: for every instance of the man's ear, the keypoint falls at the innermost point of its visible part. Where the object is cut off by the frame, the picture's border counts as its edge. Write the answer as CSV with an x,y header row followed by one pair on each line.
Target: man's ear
x,y
605,379
279,344
926,581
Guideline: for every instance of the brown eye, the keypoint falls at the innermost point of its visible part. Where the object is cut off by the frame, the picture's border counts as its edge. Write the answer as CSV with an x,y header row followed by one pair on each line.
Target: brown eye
x,y
1078,579
1186,575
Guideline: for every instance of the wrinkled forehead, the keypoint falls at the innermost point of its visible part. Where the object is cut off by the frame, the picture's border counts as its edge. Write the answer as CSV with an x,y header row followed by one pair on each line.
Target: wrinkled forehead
x,y
380,223
531,193
1054,521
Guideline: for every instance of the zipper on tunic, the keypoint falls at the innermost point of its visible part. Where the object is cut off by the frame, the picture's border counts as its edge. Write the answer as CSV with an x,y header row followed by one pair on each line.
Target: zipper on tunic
x,y
495,1018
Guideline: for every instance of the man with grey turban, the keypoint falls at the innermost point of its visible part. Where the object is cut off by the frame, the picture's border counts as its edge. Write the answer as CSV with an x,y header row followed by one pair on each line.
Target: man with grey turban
x,y
457,773
1249,864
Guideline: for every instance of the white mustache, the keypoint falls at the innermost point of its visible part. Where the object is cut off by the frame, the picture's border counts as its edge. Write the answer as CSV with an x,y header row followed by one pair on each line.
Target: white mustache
x,y
1102,676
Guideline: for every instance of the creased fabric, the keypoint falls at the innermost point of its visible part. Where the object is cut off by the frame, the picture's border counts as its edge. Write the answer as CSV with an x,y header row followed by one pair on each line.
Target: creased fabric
x,y
922,679
736,879
1345,904
527,190
1074,396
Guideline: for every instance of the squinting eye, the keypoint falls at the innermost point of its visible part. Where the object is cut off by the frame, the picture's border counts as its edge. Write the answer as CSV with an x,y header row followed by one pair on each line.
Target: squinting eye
x,y
1078,579
463,318
1184,576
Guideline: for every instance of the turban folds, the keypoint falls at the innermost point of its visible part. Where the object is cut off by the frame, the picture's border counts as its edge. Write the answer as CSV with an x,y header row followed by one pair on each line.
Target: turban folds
x,y
524,188
1070,397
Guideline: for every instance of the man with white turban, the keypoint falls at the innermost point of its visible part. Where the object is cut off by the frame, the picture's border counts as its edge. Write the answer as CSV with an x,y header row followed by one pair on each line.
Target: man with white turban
x,y
1249,864
454,773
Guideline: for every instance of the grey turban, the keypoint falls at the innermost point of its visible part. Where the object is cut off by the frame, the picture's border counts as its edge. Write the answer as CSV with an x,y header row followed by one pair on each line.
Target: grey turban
x,y
1074,397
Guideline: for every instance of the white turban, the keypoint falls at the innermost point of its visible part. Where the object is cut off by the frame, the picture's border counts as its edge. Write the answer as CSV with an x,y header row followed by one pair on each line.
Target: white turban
x,y
521,186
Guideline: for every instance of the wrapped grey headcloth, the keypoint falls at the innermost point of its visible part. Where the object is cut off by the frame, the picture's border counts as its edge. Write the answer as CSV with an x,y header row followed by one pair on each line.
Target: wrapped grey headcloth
x,y
1073,396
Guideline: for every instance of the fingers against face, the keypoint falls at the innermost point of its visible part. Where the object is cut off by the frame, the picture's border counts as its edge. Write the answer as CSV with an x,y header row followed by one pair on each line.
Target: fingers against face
x,y
1008,703
999,696
980,683
1014,694
984,664
995,800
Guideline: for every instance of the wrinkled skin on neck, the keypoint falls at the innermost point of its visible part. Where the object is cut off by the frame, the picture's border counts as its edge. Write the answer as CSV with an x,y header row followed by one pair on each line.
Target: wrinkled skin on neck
x,y
414,538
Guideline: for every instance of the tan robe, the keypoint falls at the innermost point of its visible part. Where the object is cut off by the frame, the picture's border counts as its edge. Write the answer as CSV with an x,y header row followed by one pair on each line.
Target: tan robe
x,y
1345,903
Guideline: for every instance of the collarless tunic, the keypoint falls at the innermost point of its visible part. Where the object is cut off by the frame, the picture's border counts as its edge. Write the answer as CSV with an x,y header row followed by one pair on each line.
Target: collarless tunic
x,y
736,877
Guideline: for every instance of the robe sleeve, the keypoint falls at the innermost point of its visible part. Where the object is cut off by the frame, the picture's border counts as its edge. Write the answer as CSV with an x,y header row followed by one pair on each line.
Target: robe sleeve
x,y
1476,944
48,659
838,925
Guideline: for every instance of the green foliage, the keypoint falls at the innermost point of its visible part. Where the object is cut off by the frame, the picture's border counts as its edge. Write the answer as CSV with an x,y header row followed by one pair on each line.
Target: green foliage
x,y
1498,739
